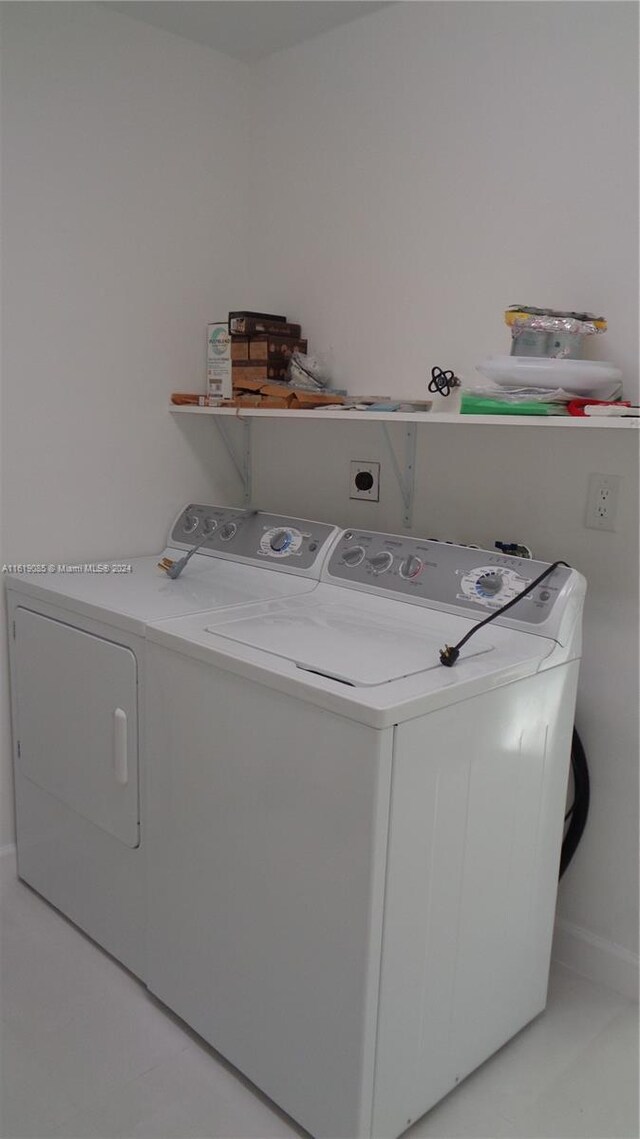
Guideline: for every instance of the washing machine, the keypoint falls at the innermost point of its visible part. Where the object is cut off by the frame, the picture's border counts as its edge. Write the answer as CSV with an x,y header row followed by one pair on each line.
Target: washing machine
x,y
353,850
77,681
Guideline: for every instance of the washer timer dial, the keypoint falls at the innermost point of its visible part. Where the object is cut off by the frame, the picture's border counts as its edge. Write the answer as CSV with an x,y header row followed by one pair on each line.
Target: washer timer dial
x,y
492,586
280,541
489,584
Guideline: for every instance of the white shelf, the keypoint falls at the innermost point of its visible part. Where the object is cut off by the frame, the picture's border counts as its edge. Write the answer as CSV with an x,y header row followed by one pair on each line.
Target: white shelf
x,y
416,417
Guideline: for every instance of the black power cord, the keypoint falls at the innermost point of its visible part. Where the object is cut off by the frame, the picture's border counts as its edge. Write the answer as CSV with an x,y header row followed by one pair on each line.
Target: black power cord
x,y
450,653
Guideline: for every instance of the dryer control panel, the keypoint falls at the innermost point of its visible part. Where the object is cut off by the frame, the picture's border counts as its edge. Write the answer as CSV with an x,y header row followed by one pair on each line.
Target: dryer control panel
x,y
444,575
294,544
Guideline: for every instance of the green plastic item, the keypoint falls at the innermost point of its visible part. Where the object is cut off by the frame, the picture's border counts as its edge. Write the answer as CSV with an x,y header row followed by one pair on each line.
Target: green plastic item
x,y
481,405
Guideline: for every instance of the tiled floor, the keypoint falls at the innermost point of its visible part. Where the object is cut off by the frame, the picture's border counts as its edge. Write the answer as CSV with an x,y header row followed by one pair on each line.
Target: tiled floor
x,y
86,1052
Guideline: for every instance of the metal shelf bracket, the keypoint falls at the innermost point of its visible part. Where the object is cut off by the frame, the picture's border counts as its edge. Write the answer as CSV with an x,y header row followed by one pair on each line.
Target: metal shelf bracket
x,y
241,459
406,477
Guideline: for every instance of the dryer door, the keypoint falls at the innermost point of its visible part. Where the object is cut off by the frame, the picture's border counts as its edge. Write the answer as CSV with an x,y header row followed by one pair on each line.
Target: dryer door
x,y
76,697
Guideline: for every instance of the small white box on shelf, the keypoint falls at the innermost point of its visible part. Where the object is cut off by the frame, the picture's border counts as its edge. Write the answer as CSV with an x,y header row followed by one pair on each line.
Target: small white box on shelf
x,y
219,360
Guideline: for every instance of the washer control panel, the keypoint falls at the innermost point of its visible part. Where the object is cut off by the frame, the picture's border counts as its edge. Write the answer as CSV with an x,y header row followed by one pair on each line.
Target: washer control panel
x,y
249,535
441,573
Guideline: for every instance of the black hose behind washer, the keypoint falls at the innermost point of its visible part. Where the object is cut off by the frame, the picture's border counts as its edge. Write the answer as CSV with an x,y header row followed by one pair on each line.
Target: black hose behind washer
x,y
580,808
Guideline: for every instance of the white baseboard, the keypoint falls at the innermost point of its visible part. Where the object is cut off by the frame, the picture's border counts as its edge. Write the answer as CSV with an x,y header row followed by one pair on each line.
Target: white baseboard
x,y
601,961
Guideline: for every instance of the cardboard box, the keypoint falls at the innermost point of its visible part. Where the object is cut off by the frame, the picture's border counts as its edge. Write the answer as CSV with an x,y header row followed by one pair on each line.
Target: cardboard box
x,y
219,376
274,401
194,399
262,349
251,370
250,325
250,314
244,384
247,400
274,348
304,400
276,389
240,347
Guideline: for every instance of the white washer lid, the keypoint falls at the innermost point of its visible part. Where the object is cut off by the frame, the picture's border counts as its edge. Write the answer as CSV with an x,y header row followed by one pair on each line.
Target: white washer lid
x,y
362,643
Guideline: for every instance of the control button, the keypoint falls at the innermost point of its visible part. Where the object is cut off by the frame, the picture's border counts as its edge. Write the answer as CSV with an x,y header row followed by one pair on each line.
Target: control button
x,y
353,556
210,524
381,562
190,523
228,531
544,595
313,546
411,567
280,541
489,584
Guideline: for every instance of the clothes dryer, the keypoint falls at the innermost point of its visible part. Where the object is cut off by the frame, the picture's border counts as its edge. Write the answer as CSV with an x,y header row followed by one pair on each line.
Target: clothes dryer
x,y
78,679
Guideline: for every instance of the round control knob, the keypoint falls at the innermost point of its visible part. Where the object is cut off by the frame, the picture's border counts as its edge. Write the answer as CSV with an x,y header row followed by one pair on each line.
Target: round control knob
x,y
190,523
381,562
411,567
228,531
210,524
353,556
489,584
280,541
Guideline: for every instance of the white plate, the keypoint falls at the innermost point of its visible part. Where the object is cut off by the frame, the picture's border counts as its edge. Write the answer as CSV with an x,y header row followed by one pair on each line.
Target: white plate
x,y
581,377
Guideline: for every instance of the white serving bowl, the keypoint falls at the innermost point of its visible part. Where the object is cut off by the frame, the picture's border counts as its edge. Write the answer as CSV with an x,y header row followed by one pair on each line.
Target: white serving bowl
x,y
580,377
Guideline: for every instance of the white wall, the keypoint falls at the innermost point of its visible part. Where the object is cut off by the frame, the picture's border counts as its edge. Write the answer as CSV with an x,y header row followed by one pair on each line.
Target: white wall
x,y
425,167
422,169
124,219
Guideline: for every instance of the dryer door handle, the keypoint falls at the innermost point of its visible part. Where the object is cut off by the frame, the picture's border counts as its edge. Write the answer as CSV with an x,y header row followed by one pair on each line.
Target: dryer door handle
x,y
120,763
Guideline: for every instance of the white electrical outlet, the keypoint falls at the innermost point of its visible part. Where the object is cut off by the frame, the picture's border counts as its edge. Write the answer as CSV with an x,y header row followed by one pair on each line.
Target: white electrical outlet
x,y
602,502
364,480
